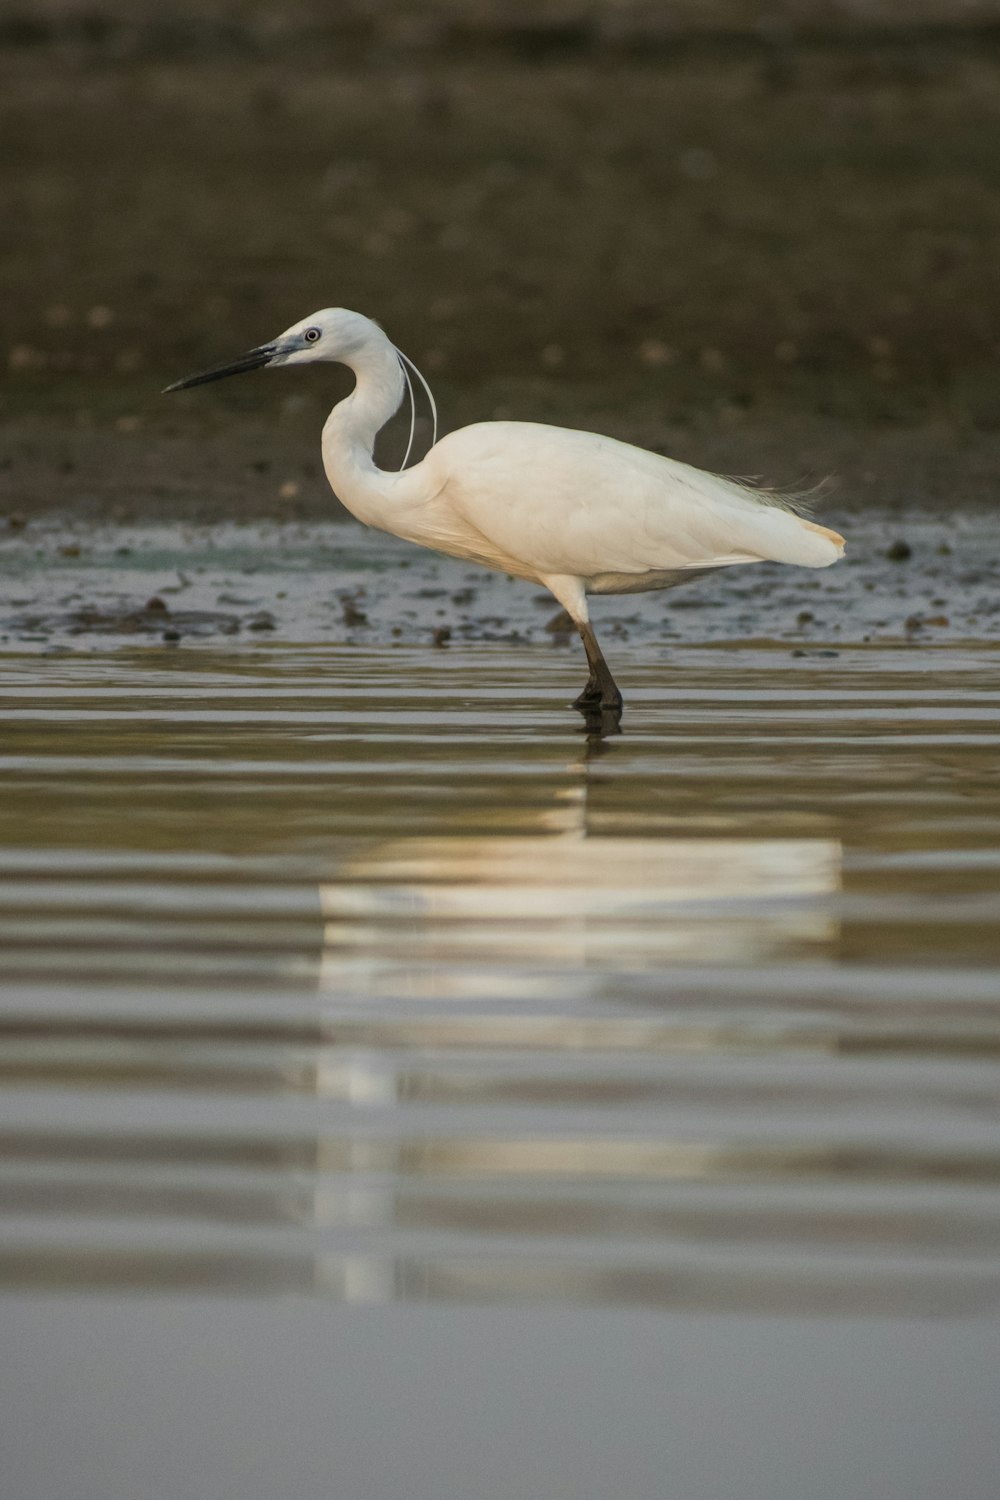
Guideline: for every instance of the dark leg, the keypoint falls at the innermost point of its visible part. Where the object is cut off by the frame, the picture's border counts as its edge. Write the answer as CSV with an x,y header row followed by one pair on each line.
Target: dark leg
x,y
601,690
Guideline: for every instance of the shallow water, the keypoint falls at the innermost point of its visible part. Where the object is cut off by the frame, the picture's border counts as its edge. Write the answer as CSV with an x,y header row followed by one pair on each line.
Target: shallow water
x,y
333,973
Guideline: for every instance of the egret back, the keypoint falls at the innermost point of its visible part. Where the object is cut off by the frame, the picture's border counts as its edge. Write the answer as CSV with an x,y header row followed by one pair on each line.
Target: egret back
x,y
569,502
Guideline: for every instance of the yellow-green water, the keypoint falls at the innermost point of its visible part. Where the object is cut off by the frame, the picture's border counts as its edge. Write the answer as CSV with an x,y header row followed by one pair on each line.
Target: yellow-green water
x,y
335,974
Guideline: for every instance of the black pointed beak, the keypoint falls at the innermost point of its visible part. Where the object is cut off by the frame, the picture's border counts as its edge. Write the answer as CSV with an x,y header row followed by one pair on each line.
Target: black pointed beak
x,y
254,360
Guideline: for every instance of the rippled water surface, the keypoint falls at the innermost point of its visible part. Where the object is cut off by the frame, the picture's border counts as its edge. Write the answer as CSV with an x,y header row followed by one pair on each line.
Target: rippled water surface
x,y
583,1099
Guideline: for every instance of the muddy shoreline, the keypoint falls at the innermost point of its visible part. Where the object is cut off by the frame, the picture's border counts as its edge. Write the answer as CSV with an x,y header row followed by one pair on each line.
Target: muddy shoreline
x,y
89,586
789,279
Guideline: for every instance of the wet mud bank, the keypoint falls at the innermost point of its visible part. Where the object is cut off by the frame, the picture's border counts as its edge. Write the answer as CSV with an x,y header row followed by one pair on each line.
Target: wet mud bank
x,y
779,278
917,580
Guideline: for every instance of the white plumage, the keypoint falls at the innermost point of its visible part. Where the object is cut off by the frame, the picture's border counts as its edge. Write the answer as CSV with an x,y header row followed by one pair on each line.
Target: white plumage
x,y
575,511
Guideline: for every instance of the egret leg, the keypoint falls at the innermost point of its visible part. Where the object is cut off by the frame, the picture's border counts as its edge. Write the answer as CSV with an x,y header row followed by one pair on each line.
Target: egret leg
x,y
600,697
601,690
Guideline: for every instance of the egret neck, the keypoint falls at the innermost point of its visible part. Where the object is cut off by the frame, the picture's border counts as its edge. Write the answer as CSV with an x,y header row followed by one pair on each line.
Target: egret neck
x,y
351,428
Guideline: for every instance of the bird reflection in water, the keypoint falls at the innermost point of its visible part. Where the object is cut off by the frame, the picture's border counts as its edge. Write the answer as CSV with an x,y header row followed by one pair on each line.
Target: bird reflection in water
x,y
463,915
531,941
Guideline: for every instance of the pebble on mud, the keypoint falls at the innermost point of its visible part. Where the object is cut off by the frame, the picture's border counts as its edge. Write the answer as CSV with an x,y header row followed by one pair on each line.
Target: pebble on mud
x,y
654,353
353,615
713,361
899,551
917,622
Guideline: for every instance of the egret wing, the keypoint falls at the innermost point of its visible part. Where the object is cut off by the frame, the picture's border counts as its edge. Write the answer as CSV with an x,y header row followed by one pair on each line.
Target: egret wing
x,y
562,501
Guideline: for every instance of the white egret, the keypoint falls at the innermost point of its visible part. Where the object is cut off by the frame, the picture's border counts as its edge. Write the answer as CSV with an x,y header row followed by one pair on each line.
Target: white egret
x,y
575,511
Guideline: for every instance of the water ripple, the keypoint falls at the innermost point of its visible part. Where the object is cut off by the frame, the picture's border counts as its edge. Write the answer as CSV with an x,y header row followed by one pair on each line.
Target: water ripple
x,y
332,971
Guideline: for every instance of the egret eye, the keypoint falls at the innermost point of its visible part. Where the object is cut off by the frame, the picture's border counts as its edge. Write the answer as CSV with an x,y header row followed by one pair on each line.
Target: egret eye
x,y
311,335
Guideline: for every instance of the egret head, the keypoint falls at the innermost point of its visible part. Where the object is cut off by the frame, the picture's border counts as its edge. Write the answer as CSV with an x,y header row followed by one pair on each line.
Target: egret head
x,y
335,334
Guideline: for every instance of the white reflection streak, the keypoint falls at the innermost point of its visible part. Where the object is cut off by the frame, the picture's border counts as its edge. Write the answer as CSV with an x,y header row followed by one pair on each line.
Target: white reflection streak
x,y
444,918
471,917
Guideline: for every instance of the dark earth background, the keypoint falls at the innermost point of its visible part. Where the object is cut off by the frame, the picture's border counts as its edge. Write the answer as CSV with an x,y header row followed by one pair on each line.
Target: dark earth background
x,y
761,238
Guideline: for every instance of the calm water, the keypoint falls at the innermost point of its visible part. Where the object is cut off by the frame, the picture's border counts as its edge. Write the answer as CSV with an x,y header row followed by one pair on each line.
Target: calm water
x,y
405,1095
